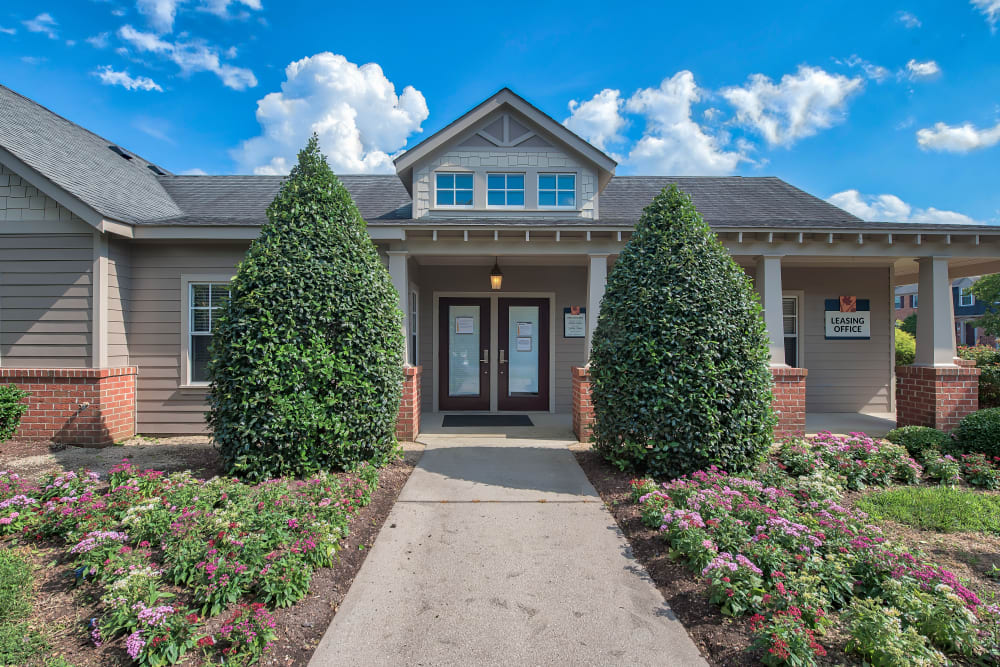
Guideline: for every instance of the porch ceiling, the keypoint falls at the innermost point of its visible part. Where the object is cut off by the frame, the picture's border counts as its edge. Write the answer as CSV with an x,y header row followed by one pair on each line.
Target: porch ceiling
x,y
503,260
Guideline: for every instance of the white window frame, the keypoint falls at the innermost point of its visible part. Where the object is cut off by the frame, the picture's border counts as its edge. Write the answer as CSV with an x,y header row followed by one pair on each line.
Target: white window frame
x,y
576,192
186,281
435,203
800,301
505,190
413,331
962,297
913,301
899,302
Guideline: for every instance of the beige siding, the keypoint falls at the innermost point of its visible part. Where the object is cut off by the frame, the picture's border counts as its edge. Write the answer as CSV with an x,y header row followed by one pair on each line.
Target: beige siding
x,y
844,375
119,287
45,300
569,283
153,320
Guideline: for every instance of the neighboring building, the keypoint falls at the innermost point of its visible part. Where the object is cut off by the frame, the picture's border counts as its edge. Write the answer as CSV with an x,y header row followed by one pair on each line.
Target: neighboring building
x,y
111,270
966,307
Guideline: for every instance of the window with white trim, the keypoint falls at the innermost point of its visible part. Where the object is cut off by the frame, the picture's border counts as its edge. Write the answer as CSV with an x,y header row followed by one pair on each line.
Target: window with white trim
x,y
453,189
790,321
899,302
414,302
966,299
557,190
205,301
913,301
506,190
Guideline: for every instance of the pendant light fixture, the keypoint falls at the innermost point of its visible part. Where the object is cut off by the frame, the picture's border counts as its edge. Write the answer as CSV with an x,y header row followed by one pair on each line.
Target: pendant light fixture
x,y
496,275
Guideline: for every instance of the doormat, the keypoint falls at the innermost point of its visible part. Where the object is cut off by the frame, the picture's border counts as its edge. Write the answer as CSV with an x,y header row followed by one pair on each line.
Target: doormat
x,y
456,421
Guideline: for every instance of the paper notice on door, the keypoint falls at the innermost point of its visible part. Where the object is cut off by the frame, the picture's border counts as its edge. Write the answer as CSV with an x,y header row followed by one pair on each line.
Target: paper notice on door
x,y
524,328
524,344
465,325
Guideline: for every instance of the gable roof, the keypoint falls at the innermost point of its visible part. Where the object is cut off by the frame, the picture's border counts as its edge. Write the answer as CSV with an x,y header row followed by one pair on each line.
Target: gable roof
x,y
78,162
505,97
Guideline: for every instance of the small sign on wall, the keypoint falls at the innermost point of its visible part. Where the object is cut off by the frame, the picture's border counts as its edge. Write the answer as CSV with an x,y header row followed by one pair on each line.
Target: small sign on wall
x,y
575,322
848,318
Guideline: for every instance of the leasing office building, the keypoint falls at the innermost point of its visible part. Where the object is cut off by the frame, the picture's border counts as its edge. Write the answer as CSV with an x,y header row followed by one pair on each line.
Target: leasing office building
x,y
498,231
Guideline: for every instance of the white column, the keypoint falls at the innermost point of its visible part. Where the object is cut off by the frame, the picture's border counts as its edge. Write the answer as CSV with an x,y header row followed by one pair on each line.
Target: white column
x,y
398,269
768,284
597,278
99,302
935,314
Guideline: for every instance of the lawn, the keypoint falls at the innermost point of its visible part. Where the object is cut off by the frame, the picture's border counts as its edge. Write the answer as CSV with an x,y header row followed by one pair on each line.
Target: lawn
x,y
939,508
146,567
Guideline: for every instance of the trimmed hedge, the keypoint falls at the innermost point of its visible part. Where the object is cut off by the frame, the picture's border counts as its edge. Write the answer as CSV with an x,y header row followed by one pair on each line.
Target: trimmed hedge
x,y
308,353
988,361
679,361
979,432
918,438
906,348
11,409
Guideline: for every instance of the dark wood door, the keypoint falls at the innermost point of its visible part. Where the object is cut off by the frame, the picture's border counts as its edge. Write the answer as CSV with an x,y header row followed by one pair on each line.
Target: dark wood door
x,y
464,354
523,354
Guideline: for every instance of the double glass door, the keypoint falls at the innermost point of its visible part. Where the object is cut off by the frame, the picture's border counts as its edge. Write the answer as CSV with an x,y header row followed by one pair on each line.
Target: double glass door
x,y
517,370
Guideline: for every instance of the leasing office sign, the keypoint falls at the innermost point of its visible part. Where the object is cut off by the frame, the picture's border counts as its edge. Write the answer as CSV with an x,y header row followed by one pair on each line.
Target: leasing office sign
x,y
848,318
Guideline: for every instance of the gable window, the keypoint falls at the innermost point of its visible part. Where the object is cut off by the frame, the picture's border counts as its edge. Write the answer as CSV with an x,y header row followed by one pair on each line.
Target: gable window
x,y
453,189
505,190
899,302
557,190
966,299
204,298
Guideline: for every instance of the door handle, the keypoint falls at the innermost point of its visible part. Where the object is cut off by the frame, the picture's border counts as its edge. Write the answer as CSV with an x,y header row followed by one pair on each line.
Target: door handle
x,y
503,360
486,357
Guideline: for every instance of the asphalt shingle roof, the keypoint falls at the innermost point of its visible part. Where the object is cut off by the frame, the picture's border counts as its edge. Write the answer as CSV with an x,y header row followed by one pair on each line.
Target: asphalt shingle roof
x,y
81,162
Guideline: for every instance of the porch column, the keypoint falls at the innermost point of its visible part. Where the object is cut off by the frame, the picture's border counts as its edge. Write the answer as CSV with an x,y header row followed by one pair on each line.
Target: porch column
x,y
597,278
401,281
938,390
769,288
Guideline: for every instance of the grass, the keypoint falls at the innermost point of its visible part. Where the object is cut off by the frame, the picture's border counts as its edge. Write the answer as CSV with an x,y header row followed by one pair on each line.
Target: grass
x,y
939,508
18,642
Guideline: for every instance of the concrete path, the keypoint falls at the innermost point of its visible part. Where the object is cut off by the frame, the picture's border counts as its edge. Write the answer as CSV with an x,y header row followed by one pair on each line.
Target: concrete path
x,y
500,552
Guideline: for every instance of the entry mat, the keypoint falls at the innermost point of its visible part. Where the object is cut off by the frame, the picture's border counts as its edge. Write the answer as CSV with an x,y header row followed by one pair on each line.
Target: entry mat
x,y
486,420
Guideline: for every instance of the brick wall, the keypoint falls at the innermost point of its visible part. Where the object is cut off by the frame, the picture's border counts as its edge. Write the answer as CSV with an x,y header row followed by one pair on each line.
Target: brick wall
x,y
76,406
583,409
937,397
789,401
408,422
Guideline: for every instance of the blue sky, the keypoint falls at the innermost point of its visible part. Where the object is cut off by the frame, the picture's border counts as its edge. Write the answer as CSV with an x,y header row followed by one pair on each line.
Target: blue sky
x,y
890,110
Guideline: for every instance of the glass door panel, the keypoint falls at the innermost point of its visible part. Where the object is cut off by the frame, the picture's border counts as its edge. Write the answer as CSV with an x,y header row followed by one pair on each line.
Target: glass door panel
x,y
463,350
463,354
523,354
523,357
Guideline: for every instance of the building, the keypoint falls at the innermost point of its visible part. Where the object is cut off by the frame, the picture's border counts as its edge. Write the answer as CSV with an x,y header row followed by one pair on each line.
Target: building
x,y
966,307
111,268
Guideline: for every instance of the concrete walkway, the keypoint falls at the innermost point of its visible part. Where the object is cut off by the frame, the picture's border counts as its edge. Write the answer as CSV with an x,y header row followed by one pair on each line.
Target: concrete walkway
x,y
500,552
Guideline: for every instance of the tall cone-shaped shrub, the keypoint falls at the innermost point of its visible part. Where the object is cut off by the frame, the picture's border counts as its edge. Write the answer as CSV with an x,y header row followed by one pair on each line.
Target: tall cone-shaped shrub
x,y
307,355
679,362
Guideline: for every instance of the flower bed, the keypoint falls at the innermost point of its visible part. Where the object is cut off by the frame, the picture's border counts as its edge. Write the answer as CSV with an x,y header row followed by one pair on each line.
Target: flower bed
x,y
782,547
169,552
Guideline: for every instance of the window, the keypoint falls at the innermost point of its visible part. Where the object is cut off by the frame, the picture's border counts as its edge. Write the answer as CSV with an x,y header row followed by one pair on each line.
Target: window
x,y
205,300
899,302
790,320
557,190
453,189
505,190
414,360
966,299
913,301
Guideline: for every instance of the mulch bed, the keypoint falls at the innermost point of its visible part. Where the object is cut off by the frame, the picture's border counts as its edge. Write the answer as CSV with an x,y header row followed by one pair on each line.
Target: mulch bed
x,y
721,639
62,610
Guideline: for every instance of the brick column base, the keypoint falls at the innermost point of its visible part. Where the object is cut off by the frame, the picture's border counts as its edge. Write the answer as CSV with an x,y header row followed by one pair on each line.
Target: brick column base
x,y
789,401
408,422
78,406
936,396
583,409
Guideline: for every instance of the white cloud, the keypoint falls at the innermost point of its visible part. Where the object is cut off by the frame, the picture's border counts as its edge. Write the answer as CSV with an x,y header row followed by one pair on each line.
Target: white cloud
x,y
990,9
161,14
110,77
673,143
874,72
194,172
890,208
908,20
221,7
8,31
922,70
43,23
360,120
99,41
599,119
957,138
798,106
190,57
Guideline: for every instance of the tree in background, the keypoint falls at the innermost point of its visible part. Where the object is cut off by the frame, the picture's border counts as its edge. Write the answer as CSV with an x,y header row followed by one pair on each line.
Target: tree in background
x,y
307,356
909,324
987,291
679,361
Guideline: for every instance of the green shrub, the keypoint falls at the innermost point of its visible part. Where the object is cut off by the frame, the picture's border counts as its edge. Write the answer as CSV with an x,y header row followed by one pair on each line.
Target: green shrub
x,y
877,634
988,361
906,348
679,364
980,432
939,508
909,325
11,409
918,438
307,355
